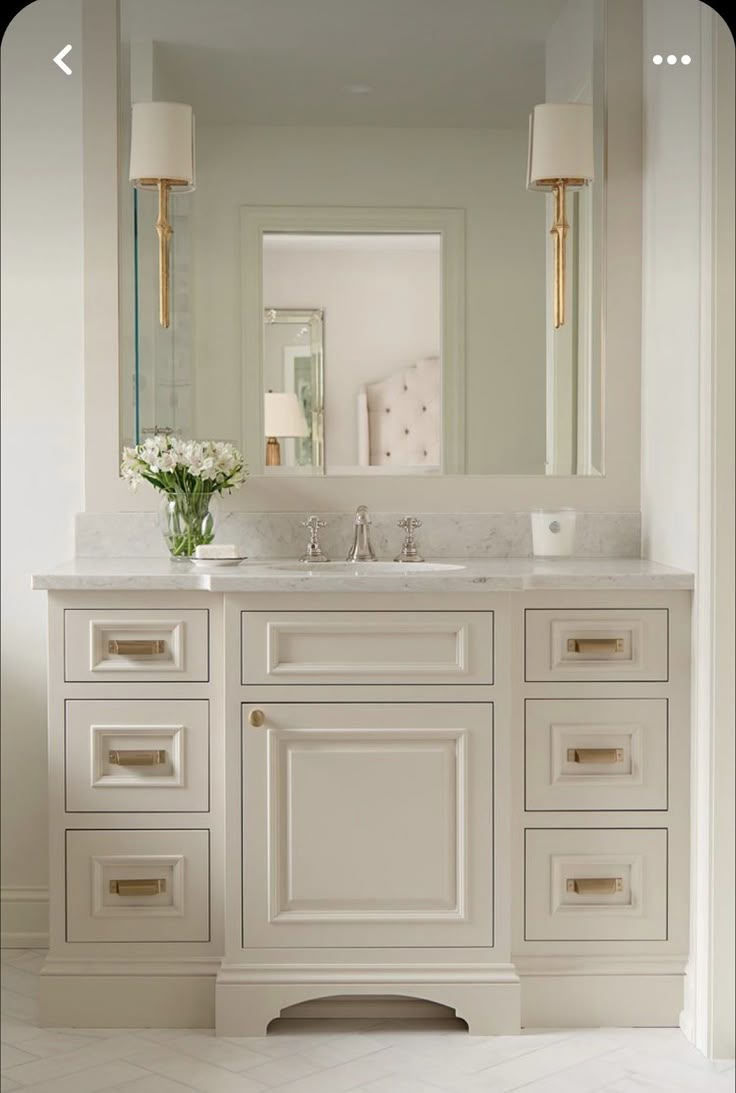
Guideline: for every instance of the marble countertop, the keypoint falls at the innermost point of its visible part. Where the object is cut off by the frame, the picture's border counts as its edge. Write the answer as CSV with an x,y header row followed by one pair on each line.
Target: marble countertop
x,y
259,575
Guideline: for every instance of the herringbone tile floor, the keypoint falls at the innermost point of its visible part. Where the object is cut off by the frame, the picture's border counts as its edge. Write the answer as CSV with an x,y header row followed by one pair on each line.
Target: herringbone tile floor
x,y
315,1056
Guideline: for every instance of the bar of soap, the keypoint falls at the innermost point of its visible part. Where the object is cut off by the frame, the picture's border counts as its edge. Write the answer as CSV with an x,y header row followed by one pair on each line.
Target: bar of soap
x,y
216,550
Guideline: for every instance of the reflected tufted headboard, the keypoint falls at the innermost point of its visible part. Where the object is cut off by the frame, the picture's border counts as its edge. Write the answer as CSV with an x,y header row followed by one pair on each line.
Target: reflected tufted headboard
x,y
399,419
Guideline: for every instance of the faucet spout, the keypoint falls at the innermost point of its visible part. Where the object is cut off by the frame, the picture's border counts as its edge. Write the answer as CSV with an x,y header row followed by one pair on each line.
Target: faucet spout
x,y
361,550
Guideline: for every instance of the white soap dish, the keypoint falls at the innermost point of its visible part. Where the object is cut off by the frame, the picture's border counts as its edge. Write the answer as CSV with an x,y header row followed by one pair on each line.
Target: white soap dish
x,y
203,562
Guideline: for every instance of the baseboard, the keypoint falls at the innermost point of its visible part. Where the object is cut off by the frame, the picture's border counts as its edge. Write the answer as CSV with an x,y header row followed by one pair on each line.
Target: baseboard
x,y
601,1001
24,914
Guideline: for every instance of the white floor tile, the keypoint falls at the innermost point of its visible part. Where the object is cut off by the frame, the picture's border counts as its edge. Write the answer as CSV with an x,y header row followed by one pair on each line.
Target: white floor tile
x,y
197,1073
18,1006
13,1056
58,1066
152,1083
212,1049
95,1080
346,1056
21,981
15,1031
277,1072
535,1065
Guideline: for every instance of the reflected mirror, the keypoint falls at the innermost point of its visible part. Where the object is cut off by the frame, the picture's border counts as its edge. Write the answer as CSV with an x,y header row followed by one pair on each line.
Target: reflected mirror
x,y
361,240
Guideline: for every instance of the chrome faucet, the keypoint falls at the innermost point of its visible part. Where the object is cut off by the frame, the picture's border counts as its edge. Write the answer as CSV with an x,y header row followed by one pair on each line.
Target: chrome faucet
x,y
361,550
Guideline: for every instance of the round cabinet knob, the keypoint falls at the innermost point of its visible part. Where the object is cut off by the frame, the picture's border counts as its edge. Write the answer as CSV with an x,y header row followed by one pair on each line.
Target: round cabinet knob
x,y
256,718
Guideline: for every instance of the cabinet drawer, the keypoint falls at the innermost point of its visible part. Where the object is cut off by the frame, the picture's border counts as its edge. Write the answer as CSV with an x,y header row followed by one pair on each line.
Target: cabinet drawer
x,y
136,645
596,754
137,885
127,755
603,884
367,647
596,645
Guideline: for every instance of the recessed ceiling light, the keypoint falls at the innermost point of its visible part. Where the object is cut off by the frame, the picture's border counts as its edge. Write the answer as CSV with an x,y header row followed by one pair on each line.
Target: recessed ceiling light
x,y
359,88
686,58
671,59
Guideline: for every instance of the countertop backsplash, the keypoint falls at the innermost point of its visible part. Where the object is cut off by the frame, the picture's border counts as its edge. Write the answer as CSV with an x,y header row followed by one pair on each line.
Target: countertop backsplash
x,y
442,535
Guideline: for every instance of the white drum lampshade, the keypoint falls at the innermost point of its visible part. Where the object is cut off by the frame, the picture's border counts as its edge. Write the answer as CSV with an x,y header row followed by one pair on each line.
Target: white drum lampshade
x,y
560,145
282,416
560,158
162,145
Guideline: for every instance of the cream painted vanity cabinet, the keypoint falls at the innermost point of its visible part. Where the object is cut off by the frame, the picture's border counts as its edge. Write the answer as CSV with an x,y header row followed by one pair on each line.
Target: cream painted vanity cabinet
x,y
263,793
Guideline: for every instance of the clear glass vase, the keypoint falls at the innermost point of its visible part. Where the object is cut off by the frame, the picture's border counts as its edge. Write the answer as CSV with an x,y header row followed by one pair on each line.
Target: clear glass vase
x,y
187,521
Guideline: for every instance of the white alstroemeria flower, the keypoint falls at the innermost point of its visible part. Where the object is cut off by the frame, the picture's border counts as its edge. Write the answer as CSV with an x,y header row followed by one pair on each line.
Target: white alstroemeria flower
x,y
216,462
167,461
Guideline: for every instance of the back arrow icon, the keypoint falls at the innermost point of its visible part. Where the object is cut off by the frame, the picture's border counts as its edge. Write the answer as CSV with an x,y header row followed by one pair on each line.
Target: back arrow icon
x,y
59,60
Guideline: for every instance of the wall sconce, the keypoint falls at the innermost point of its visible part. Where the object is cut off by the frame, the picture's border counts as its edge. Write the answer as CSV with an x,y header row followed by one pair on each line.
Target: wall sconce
x,y
161,158
282,416
560,159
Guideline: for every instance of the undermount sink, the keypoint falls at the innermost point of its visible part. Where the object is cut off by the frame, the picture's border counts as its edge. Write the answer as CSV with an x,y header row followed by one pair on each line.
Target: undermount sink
x,y
363,569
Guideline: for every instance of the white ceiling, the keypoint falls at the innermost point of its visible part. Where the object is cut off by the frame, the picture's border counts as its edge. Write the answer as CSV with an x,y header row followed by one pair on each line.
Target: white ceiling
x,y
455,63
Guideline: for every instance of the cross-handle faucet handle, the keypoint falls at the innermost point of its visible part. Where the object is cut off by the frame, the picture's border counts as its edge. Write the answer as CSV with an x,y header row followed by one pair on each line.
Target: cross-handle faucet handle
x,y
409,552
314,552
409,523
314,523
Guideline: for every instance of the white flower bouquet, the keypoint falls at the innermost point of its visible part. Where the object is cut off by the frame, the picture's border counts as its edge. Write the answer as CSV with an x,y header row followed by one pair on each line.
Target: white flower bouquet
x,y
190,474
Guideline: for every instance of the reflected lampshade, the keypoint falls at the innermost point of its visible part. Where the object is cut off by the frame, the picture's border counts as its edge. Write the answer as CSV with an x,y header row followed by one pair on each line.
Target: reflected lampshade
x,y
283,415
560,144
162,144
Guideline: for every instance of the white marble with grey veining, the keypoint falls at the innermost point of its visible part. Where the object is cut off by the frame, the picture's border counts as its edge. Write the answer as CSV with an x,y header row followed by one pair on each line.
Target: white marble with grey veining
x,y
476,575
442,535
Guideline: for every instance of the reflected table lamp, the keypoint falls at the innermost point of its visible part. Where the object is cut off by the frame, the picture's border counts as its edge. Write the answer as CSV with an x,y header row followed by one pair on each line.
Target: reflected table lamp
x,y
282,416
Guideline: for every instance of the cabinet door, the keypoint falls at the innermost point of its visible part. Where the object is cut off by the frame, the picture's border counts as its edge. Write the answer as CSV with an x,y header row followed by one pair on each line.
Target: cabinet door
x,y
368,824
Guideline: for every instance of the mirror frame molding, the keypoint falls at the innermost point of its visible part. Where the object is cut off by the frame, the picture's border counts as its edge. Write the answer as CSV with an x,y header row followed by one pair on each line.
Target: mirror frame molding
x,y
257,221
618,490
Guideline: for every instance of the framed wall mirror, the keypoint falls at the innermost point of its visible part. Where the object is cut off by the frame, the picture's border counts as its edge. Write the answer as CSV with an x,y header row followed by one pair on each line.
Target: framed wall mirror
x,y
375,176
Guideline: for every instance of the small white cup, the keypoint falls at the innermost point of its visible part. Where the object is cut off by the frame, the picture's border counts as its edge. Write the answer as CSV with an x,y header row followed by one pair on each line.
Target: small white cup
x,y
553,533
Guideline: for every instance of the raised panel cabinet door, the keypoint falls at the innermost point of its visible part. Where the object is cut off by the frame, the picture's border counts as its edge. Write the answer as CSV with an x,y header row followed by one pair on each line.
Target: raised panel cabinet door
x,y
368,824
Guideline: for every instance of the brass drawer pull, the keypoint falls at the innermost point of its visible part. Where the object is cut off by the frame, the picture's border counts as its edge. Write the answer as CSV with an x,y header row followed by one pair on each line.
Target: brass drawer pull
x,y
595,755
151,758
130,647
256,718
595,645
153,887
599,886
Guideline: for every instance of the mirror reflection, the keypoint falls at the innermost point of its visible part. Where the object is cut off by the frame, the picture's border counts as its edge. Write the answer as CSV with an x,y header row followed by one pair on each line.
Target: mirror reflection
x,y
361,237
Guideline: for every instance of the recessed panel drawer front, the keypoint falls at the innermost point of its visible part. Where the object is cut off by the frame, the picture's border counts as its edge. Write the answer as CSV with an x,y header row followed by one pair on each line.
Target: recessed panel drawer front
x,y
136,645
596,645
401,647
137,885
130,755
596,754
596,884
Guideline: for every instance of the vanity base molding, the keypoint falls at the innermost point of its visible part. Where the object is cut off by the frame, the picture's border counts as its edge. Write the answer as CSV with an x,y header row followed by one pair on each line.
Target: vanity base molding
x,y
242,1001
127,994
591,993
485,996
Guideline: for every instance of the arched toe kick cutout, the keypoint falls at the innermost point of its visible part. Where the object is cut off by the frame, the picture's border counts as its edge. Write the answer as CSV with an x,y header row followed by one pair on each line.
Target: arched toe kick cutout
x,y
247,1008
371,1008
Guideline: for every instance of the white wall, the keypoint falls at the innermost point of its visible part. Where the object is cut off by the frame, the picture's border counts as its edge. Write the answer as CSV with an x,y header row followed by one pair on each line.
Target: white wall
x,y
688,443
382,313
42,407
481,171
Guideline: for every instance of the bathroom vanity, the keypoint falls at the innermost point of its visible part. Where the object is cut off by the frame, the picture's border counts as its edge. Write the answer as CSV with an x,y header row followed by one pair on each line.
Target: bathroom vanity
x,y
273,784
